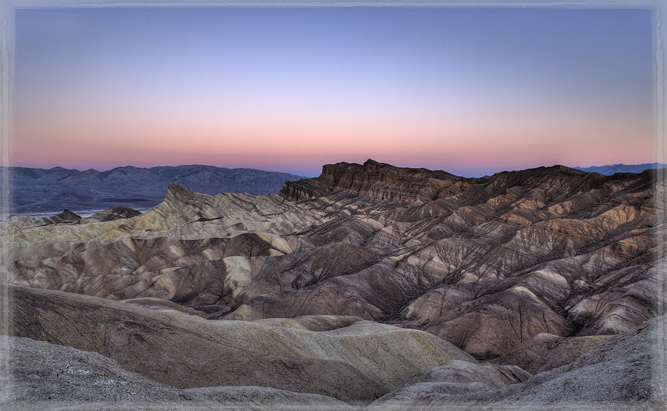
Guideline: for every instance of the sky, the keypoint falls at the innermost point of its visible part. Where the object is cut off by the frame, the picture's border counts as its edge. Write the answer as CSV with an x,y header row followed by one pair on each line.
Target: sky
x,y
471,91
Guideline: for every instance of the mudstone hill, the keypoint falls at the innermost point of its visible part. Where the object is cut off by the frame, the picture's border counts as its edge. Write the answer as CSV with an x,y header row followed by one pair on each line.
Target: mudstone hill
x,y
370,286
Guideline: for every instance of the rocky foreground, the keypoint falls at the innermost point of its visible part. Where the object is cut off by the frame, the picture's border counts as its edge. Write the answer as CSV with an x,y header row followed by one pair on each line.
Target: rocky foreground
x,y
369,286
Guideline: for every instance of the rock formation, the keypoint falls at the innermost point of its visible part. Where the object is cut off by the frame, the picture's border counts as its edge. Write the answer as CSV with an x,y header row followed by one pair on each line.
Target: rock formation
x,y
528,269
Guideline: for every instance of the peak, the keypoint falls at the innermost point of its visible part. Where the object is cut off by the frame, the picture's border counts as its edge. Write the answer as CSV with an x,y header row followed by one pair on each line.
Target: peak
x,y
177,193
372,179
181,197
67,214
115,213
565,170
372,166
65,217
174,186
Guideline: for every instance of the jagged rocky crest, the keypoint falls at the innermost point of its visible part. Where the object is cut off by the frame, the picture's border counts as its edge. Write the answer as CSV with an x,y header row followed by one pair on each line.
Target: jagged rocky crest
x,y
550,260
372,179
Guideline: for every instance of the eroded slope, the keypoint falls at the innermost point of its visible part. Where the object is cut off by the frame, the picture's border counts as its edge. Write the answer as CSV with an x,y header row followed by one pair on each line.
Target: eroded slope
x,y
487,264
358,362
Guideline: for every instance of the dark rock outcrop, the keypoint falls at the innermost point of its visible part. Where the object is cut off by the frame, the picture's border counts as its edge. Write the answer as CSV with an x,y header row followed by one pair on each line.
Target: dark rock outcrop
x,y
115,213
372,179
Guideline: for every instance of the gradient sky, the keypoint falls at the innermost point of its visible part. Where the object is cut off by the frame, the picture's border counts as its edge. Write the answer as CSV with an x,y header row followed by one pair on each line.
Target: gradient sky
x,y
471,91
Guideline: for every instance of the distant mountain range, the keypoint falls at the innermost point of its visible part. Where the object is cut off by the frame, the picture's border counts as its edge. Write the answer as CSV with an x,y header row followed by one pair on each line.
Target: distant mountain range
x,y
621,168
42,192
36,191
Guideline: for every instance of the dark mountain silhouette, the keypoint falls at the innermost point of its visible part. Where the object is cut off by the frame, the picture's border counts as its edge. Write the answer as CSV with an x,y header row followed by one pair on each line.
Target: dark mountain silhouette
x,y
622,168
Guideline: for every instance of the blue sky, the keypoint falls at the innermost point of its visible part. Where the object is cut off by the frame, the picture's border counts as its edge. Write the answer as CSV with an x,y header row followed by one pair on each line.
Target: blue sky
x,y
471,91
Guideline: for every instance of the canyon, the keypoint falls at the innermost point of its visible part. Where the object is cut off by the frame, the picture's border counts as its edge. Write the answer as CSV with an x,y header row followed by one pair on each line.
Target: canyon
x,y
369,286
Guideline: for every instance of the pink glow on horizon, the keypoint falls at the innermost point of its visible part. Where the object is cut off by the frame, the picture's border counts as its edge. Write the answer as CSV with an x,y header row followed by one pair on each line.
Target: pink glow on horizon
x,y
293,136
284,140
277,145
